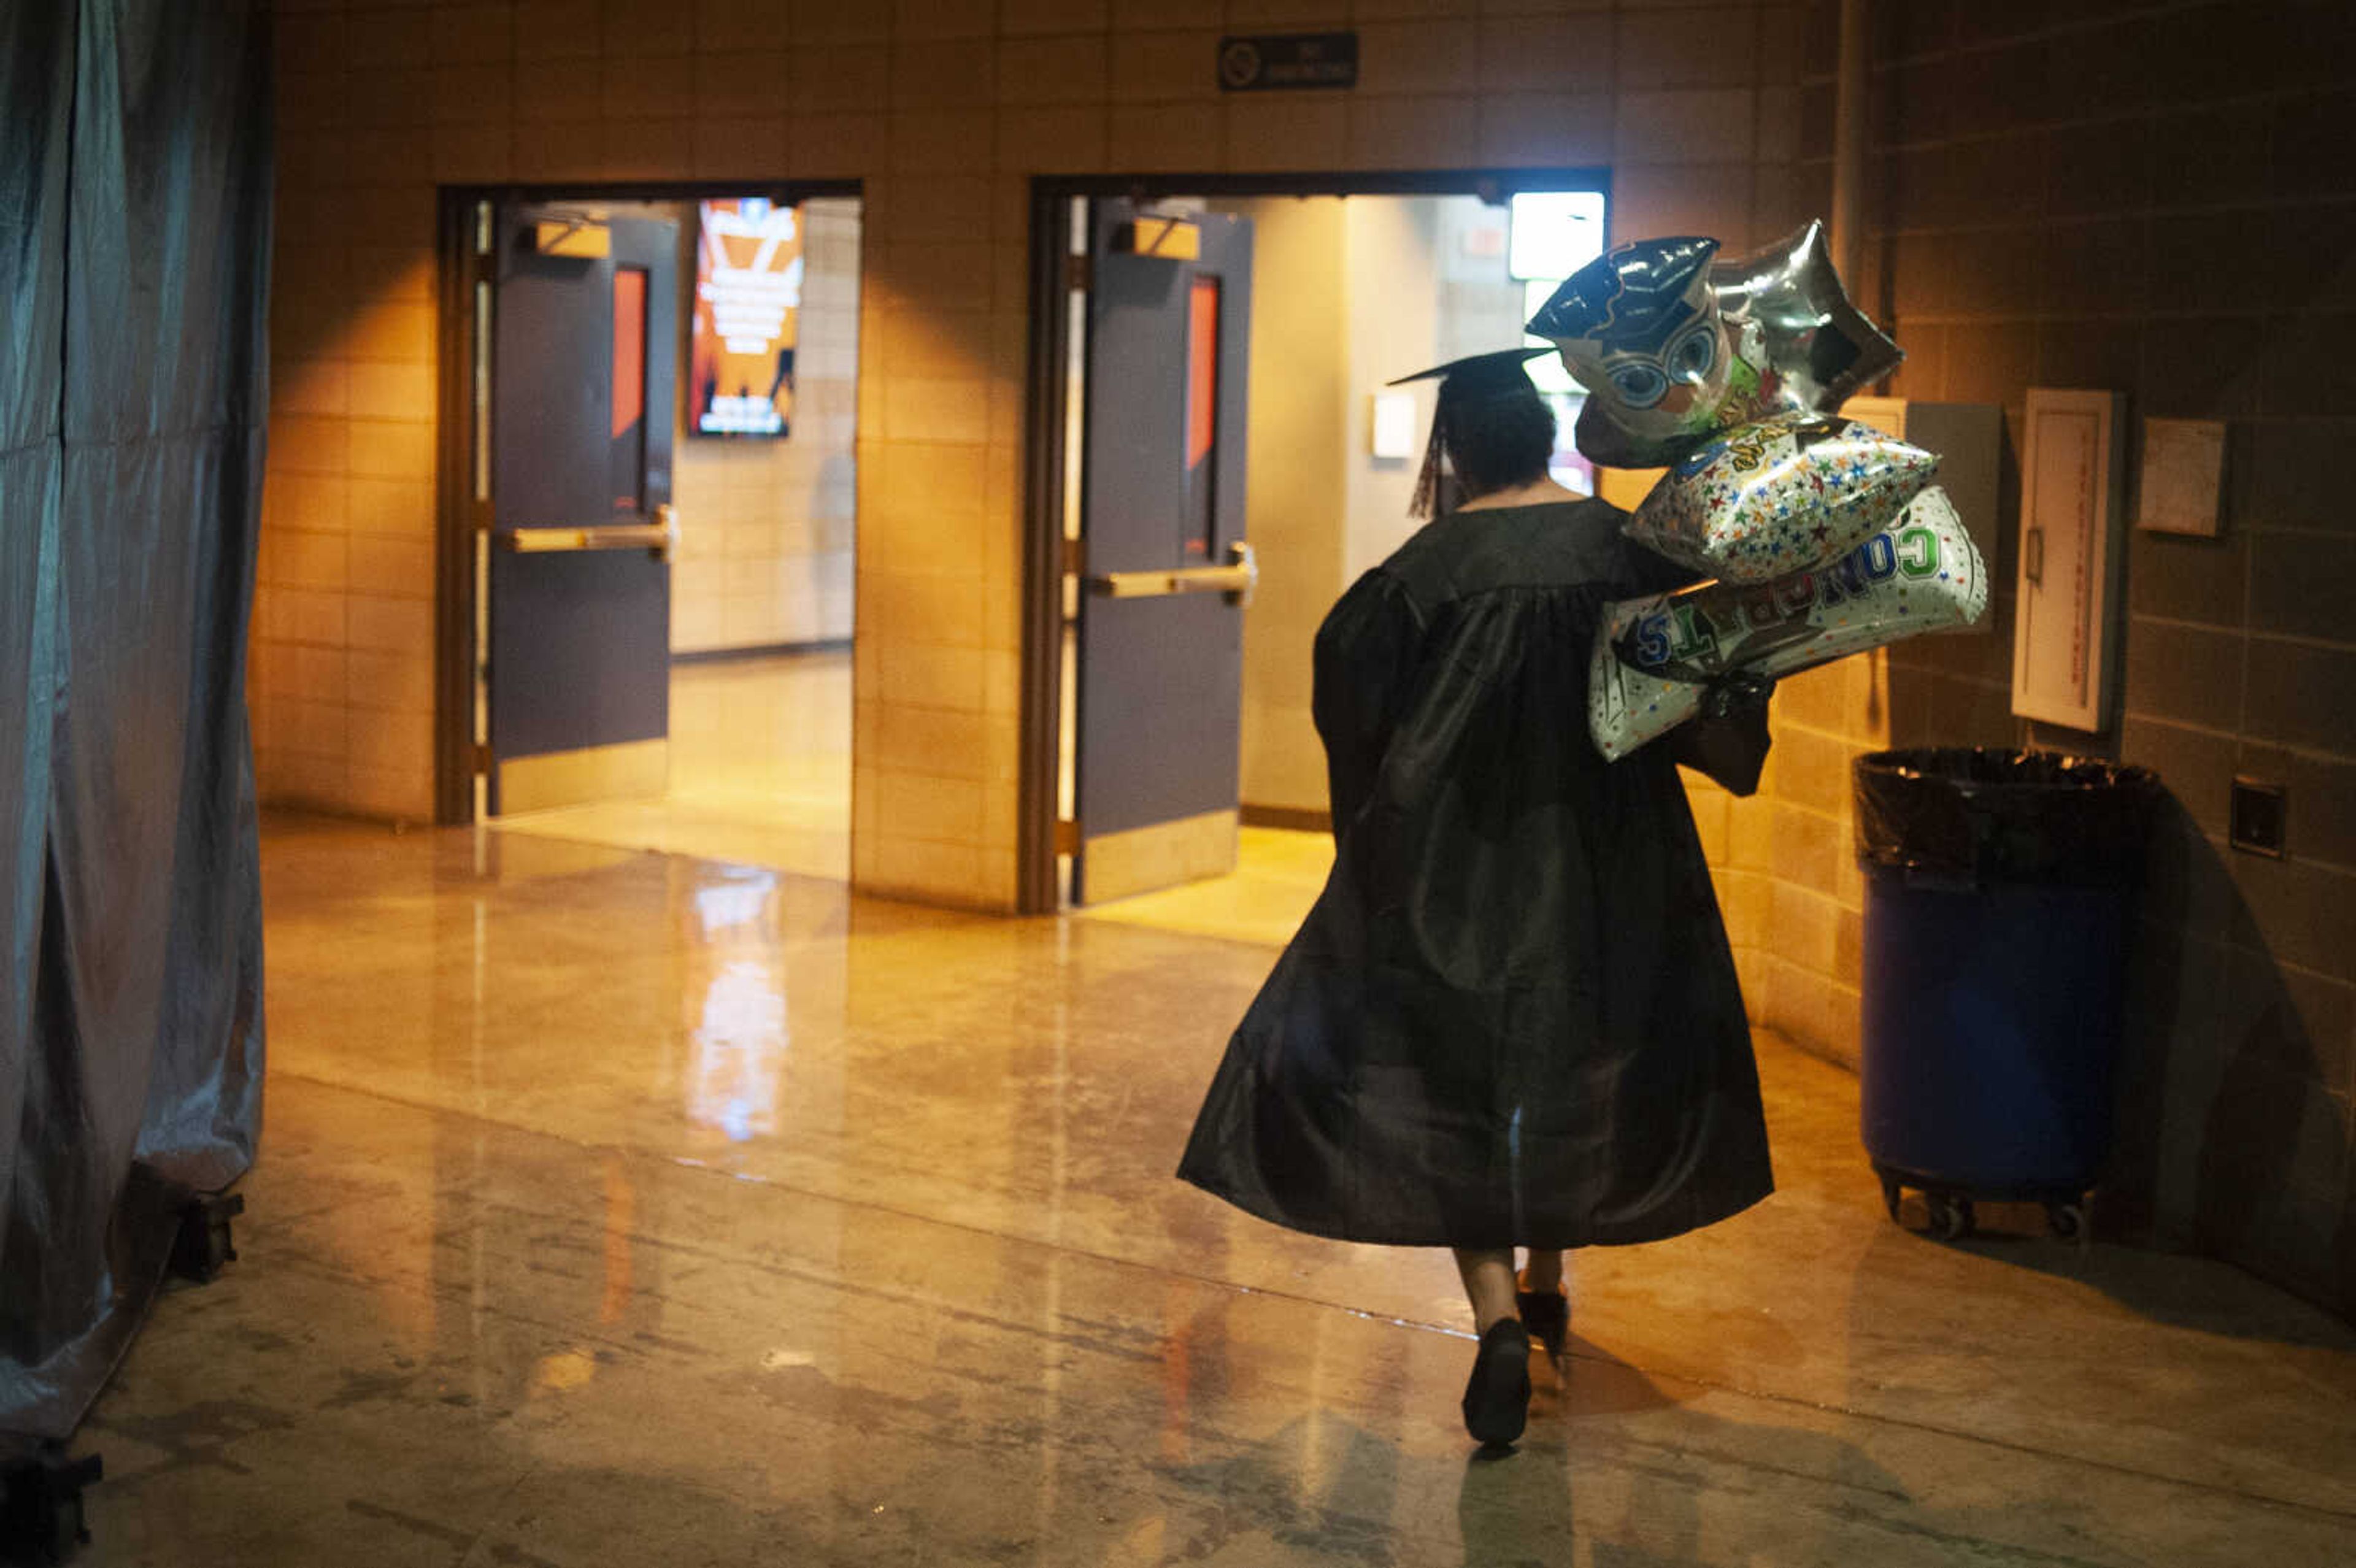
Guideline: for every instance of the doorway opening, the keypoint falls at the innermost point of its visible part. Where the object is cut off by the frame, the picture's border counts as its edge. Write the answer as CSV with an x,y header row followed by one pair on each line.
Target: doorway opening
x,y
649,517
1202,495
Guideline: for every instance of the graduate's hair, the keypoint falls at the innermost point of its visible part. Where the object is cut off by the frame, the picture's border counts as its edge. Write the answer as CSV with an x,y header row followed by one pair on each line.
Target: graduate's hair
x,y
1489,438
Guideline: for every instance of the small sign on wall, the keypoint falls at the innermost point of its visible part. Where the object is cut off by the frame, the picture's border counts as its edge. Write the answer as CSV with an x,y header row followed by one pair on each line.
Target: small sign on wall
x,y
2065,627
2183,471
1394,425
1273,61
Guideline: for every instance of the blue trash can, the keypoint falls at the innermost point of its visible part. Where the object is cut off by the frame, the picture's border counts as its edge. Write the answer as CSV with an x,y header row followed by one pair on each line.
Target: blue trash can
x,y
1999,893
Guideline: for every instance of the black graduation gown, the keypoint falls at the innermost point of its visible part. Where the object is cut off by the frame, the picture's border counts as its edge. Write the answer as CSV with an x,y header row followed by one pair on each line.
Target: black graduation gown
x,y
1512,1018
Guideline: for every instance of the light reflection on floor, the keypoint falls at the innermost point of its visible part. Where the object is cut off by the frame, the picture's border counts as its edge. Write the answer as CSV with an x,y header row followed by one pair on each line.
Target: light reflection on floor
x,y
741,1032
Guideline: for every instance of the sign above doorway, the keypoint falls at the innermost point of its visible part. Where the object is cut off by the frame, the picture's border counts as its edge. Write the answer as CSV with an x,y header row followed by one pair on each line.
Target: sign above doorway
x,y
1273,61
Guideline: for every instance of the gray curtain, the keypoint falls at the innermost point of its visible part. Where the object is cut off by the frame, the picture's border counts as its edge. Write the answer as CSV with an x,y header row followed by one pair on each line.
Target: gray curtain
x,y
134,245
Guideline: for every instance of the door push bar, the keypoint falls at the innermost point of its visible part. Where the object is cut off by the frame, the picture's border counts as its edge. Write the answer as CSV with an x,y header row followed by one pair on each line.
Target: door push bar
x,y
656,538
1235,580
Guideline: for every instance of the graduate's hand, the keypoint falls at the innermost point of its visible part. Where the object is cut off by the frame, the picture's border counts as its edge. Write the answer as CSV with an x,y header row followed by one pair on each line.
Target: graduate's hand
x,y
1727,741
1737,694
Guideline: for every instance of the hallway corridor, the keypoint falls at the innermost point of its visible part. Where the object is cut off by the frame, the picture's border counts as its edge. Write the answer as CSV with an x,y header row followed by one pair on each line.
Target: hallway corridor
x,y
617,1208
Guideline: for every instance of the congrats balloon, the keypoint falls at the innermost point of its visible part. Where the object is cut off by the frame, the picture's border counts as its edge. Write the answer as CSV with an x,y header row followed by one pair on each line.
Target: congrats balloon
x,y
1655,657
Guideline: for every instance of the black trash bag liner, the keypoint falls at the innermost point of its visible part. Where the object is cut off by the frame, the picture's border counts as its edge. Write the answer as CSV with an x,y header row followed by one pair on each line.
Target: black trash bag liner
x,y
1981,816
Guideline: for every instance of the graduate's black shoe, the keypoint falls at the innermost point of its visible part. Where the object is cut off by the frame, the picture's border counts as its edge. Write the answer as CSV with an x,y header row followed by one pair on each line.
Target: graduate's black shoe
x,y
1497,1400
1547,1315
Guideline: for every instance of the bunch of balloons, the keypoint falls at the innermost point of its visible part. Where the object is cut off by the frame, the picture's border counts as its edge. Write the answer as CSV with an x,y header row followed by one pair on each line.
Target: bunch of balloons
x,y
1823,537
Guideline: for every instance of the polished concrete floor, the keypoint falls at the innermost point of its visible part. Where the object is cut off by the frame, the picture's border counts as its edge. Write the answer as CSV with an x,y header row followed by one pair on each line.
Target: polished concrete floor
x,y
625,1208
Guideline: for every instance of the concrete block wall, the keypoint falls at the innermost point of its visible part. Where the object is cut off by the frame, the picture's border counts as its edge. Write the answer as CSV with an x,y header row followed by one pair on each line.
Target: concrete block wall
x,y
944,109
2153,198
1784,862
1299,445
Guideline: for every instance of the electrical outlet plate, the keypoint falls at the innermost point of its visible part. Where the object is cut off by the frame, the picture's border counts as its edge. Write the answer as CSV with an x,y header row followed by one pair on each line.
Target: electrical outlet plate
x,y
2261,814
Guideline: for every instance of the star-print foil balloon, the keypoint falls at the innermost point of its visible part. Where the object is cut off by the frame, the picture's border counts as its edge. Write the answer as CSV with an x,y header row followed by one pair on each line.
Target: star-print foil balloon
x,y
1780,496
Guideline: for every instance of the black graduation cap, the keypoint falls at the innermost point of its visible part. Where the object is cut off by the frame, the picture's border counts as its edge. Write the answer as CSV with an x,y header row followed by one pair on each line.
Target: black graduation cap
x,y
1499,370
1475,378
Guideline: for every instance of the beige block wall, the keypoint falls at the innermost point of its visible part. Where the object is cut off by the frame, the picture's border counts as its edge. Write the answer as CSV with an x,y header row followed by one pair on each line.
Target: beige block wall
x,y
1784,860
1299,433
766,526
944,109
1391,276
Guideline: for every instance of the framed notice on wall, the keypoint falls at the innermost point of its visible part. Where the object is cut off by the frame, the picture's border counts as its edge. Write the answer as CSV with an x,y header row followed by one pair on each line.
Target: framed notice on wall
x,y
2183,473
2065,627
748,297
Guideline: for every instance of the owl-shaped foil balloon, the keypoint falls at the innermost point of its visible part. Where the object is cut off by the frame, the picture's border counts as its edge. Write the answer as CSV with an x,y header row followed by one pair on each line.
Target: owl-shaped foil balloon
x,y
1640,327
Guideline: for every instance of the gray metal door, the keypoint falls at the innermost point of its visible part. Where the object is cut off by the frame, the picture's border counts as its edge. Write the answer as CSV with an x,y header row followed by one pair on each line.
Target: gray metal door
x,y
584,367
1168,564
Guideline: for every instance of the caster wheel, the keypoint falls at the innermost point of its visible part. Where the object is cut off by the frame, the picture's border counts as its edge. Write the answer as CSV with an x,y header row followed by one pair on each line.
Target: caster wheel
x,y
1951,1218
2067,1221
203,1247
67,1529
42,1515
1892,1194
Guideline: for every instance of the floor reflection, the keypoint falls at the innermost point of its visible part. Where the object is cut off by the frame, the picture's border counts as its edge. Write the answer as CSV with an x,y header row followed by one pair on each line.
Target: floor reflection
x,y
740,1033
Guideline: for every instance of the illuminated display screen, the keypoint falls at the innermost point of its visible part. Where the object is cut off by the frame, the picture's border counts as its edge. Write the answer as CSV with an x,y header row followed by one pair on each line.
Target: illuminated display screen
x,y
1553,233
748,296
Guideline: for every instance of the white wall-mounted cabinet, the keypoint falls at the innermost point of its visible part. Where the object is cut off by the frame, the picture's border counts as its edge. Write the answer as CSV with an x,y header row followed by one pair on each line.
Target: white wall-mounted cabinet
x,y
2066,620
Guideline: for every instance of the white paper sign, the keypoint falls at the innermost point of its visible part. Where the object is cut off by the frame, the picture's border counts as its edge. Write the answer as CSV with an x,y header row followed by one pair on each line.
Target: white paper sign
x,y
2183,468
1394,424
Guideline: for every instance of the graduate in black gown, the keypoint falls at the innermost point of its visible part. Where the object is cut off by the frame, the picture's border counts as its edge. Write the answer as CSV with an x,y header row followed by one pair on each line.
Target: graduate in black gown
x,y
1512,1018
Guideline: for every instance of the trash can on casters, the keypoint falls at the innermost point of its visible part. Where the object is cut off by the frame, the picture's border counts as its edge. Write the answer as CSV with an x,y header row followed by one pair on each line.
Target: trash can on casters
x,y
1998,888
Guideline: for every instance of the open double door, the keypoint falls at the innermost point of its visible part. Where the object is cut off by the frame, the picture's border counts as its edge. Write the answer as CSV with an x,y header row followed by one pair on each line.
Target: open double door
x,y
578,395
